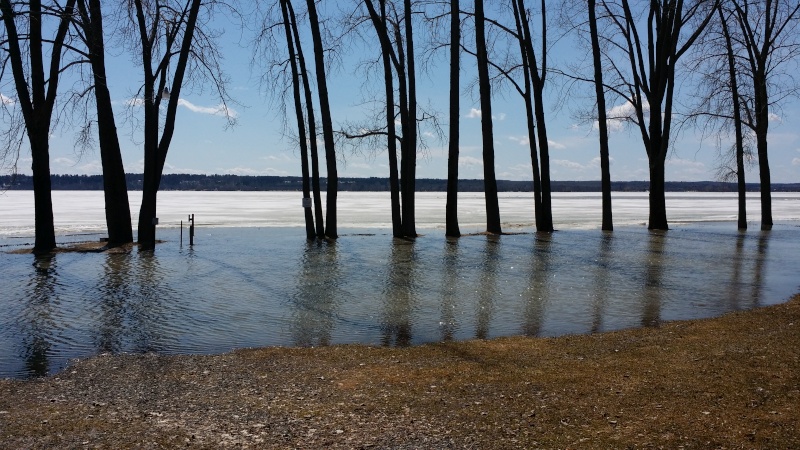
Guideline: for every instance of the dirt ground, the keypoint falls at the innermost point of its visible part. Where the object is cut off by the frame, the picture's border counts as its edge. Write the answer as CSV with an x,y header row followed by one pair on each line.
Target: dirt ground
x,y
729,382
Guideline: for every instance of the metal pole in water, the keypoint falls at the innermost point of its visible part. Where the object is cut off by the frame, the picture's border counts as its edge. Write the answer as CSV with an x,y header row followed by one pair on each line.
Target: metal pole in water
x,y
191,229
181,233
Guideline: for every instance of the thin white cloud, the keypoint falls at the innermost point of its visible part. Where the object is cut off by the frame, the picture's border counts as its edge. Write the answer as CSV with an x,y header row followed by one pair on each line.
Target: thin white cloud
x,y
359,166
251,171
282,157
618,115
469,161
219,110
473,114
521,140
775,118
62,161
567,164
686,163
796,162
7,100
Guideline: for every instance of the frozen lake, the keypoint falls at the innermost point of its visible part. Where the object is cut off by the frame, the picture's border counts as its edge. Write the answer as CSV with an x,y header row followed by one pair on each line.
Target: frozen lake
x,y
252,279
81,211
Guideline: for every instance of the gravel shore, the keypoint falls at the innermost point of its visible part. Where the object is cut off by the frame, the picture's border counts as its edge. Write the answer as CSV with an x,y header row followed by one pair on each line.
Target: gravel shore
x,y
728,382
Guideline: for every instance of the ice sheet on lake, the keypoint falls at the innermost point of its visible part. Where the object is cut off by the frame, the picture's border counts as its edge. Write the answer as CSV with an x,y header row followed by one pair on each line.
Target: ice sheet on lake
x,y
83,211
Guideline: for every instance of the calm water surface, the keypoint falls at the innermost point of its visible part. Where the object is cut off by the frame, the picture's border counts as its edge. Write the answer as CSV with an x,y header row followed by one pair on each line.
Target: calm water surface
x,y
258,286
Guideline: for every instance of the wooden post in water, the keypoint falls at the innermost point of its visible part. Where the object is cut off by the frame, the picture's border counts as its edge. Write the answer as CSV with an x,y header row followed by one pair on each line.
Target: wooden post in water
x,y
191,229
181,233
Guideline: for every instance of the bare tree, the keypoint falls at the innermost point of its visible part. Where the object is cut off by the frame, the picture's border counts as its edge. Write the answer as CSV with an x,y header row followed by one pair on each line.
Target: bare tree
x,y
327,122
769,36
271,43
737,119
381,25
290,27
537,76
602,119
451,212
489,179
392,24
312,124
89,20
36,88
719,102
165,31
648,81
508,65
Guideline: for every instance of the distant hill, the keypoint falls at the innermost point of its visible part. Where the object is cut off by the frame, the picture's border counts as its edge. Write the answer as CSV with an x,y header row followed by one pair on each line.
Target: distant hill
x,y
186,182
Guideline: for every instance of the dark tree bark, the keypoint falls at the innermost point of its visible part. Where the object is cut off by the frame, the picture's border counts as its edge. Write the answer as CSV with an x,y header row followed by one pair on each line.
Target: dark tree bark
x,y
36,92
115,189
651,81
409,161
379,22
155,149
301,127
737,122
327,123
489,179
537,77
312,125
602,120
768,31
527,96
451,211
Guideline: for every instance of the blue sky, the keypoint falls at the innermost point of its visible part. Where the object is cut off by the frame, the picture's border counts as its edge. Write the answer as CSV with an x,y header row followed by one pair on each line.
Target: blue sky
x,y
257,145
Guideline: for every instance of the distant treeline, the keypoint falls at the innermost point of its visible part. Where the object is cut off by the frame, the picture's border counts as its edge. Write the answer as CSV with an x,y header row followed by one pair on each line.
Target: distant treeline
x,y
187,182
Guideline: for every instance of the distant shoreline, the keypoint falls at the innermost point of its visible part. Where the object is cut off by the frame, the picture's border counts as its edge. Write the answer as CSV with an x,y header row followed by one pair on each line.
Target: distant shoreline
x,y
191,182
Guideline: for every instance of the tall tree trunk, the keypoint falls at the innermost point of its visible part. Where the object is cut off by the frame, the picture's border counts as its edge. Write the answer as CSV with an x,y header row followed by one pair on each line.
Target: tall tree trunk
x,y
537,81
451,210
409,175
737,122
327,123
657,201
115,189
762,128
527,96
489,179
155,149
301,127
45,236
312,126
405,123
37,103
379,22
602,124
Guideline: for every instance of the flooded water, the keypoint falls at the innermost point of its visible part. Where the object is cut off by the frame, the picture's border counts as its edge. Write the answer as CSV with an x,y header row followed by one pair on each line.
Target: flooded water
x,y
257,282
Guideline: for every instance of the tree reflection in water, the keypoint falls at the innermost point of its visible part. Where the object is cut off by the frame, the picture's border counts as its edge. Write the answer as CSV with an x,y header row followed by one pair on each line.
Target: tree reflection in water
x,y
399,293
450,282
538,290
653,265
115,287
602,279
40,314
231,293
487,286
315,300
